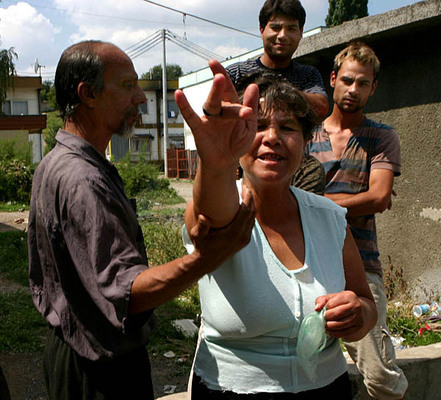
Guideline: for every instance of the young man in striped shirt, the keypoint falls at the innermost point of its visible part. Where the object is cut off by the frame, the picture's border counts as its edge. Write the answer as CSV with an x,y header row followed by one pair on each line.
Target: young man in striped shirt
x,y
361,158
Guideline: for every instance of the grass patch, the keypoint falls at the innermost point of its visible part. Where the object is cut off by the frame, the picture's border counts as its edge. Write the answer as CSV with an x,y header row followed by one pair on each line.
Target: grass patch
x,y
163,238
167,338
14,256
151,202
22,328
13,206
162,235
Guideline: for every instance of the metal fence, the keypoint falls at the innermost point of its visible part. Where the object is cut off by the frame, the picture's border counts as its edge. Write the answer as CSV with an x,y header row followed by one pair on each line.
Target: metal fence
x,y
181,163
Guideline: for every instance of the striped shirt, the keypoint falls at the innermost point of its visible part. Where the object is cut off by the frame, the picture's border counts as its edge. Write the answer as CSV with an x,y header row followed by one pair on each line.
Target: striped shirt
x,y
371,146
304,77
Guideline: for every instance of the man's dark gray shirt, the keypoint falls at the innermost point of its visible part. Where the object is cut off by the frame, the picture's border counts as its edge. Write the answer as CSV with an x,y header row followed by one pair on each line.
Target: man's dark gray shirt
x,y
303,77
85,250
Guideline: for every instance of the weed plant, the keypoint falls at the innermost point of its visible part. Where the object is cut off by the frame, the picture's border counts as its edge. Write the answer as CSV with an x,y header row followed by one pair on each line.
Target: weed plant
x,y
400,319
403,323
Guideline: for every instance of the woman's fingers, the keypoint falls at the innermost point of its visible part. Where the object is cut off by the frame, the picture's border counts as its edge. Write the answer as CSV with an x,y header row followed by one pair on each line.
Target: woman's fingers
x,y
229,89
193,120
213,104
251,97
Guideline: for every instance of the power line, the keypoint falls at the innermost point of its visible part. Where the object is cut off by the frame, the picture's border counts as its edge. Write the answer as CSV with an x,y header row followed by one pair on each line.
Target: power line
x,y
146,44
141,49
130,19
200,18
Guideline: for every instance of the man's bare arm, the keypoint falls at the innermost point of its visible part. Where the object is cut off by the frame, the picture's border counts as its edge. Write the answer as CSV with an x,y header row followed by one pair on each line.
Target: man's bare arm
x,y
157,285
374,200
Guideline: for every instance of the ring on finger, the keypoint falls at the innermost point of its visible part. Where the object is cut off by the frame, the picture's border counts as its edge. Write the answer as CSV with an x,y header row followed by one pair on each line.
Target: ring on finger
x,y
206,113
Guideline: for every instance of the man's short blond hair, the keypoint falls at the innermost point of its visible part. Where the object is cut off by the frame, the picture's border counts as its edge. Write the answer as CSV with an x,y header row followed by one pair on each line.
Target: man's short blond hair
x,y
358,51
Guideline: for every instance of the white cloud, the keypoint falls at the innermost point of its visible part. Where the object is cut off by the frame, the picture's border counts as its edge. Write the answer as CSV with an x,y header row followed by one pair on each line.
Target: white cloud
x,y
45,31
30,33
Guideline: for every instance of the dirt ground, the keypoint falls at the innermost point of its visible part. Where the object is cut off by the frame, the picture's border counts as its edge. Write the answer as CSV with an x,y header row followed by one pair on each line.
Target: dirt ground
x,y
24,372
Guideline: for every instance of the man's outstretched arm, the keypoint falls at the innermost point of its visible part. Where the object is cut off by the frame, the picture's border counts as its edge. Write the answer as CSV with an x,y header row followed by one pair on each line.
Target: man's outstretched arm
x,y
157,285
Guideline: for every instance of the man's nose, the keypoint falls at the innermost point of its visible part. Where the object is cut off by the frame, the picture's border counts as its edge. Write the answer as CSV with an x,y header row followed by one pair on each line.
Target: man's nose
x,y
282,33
140,96
353,88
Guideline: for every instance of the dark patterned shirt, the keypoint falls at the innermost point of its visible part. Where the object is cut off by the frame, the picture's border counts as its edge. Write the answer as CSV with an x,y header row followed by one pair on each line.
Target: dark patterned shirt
x,y
371,146
85,250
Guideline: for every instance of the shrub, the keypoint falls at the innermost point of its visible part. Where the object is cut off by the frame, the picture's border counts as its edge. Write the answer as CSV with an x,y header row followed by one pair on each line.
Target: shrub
x,y
16,172
141,179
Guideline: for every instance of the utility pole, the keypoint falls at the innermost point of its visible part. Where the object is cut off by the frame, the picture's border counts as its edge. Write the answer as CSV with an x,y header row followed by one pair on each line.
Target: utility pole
x,y
164,102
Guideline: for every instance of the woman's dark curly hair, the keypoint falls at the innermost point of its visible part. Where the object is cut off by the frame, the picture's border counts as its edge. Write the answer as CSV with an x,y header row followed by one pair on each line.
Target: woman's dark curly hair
x,y
278,94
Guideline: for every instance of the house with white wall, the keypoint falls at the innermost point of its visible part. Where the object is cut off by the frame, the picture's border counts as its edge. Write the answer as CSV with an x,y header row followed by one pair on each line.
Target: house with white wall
x,y
21,118
148,137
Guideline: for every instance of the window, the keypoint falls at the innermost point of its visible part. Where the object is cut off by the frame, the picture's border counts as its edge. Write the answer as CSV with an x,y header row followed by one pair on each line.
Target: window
x,y
140,145
20,108
15,107
143,108
173,110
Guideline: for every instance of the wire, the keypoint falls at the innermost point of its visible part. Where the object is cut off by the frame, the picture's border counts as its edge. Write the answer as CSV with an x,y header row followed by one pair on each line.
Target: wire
x,y
202,19
148,43
142,49
151,37
190,46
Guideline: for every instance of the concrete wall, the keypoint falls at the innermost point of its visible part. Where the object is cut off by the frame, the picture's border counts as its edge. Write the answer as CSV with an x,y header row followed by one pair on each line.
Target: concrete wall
x,y
408,98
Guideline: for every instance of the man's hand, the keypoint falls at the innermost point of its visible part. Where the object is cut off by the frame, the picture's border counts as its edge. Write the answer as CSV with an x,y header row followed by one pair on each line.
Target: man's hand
x,y
155,286
215,246
394,193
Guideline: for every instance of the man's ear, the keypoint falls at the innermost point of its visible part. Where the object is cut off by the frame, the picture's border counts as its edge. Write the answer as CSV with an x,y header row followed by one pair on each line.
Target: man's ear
x,y
86,94
261,30
332,79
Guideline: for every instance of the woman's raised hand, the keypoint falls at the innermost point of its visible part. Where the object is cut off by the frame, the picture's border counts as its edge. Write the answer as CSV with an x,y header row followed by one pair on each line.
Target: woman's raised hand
x,y
226,130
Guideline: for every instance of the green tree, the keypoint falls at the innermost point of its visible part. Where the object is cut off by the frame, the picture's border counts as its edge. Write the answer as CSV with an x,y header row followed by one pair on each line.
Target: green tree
x,y
48,94
174,71
340,11
54,122
7,68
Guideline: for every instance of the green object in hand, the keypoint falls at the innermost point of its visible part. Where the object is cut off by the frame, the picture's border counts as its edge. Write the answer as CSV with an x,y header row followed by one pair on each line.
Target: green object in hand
x,y
310,341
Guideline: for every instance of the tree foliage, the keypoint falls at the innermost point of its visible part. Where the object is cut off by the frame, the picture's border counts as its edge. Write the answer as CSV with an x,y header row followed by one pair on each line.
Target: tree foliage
x,y
7,68
54,122
174,71
47,94
340,11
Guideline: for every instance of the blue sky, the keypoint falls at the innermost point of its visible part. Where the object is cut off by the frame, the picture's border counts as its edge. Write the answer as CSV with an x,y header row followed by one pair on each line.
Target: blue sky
x,y
42,29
